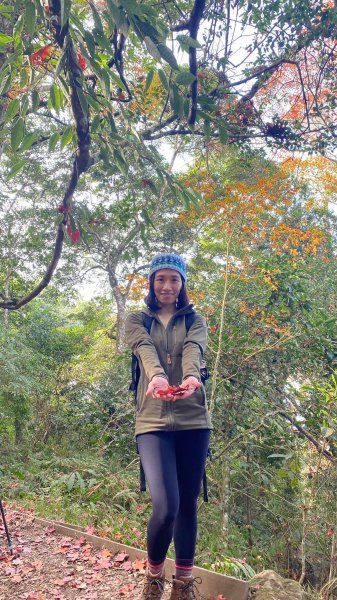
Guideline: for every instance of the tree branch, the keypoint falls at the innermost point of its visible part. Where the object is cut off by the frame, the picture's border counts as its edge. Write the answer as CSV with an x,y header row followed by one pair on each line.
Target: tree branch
x,y
81,164
196,16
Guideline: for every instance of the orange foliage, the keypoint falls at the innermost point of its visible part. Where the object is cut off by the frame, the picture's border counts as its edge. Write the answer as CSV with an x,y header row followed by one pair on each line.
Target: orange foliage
x,y
139,287
147,103
295,90
257,210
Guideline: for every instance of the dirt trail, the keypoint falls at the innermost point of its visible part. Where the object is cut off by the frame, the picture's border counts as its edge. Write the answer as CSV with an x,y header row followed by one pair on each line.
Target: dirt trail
x,y
49,566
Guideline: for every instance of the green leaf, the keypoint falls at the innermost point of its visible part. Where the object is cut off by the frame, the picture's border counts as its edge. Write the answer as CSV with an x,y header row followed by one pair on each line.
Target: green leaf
x,y
60,64
223,134
54,138
24,105
119,17
55,96
95,123
5,39
116,79
90,41
12,110
5,84
327,431
163,79
71,482
112,123
120,162
149,79
18,28
35,100
67,136
177,102
185,78
17,133
146,218
28,141
152,48
105,80
187,42
93,103
65,11
24,77
207,130
102,40
16,168
30,18
97,19
168,56
6,10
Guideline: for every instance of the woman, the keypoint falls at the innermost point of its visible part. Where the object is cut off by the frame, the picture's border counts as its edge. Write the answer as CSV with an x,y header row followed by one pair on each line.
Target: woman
x,y
172,431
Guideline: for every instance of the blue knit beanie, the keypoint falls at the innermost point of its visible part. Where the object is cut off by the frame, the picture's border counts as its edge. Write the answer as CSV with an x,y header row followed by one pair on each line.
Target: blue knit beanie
x,y
168,261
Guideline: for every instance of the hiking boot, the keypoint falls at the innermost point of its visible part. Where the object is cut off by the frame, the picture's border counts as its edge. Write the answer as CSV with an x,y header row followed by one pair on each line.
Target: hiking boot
x,y
153,586
185,588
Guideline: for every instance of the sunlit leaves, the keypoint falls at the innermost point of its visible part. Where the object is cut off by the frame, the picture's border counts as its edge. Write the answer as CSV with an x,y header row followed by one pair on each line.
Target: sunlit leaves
x,y
30,17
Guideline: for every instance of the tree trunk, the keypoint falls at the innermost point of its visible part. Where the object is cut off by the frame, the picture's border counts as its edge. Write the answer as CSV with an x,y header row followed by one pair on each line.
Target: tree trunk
x,y
121,318
225,495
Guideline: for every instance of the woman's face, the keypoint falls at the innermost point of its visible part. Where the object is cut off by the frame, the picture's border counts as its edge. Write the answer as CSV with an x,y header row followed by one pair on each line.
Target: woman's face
x,y
167,285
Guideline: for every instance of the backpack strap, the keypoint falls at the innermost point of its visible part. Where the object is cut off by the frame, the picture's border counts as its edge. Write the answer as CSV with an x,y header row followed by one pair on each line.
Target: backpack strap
x,y
189,320
135,370
147,322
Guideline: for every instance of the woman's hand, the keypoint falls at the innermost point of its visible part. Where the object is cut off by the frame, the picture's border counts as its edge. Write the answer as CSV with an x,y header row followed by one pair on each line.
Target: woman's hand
x,y
156,384
190,384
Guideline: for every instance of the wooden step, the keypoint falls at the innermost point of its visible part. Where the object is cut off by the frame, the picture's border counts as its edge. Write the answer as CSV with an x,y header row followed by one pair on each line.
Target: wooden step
x,y
213,584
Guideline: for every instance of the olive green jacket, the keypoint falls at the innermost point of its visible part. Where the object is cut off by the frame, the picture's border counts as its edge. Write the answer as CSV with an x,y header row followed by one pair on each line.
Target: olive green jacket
x,y
175,354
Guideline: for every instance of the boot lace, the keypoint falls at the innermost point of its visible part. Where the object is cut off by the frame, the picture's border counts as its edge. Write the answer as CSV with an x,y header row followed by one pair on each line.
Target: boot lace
x,y
191,588
153,589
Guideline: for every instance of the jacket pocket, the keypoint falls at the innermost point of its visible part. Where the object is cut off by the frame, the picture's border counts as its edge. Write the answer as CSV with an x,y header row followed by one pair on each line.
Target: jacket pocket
x,y
201,396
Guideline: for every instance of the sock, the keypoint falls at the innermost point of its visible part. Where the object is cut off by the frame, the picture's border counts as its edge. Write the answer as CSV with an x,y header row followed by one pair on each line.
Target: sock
x,y
184,568
155,567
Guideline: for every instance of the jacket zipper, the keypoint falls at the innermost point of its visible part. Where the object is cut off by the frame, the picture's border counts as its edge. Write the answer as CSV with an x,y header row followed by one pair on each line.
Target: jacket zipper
x,y
169,362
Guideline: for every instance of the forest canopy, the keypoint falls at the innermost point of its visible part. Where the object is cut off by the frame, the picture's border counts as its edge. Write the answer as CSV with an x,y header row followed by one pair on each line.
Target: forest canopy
x,y
205,128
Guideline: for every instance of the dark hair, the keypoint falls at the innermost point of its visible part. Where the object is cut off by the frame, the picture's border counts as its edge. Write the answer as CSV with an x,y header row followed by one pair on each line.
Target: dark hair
x,y
150,299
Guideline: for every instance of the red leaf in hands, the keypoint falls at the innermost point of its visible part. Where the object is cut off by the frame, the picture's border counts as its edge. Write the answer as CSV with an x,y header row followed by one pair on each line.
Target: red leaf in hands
x,y
172,390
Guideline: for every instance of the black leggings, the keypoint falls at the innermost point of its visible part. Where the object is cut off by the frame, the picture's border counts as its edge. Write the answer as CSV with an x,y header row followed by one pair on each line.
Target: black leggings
x,y
173,463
